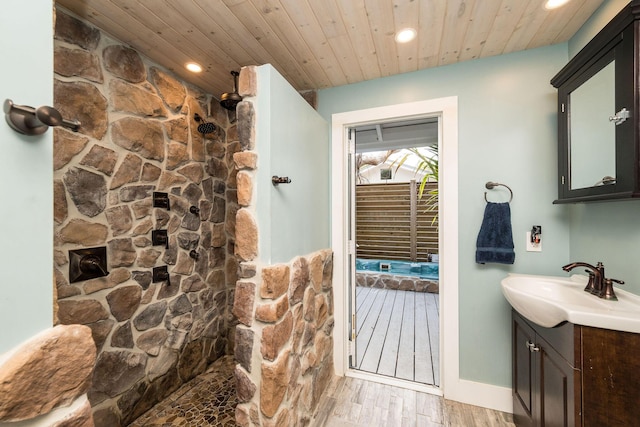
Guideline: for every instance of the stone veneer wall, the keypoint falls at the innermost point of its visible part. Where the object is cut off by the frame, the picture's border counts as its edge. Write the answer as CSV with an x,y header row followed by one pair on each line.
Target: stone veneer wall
x,y
138,135
57,363
284,342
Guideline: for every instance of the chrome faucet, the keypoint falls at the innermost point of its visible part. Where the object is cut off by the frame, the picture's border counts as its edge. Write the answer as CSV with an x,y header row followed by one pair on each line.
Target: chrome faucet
x,y
598,284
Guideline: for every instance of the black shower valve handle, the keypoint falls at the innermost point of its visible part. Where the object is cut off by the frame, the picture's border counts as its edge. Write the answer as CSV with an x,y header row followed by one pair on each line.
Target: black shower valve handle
x,y
90,263
160,237
161,274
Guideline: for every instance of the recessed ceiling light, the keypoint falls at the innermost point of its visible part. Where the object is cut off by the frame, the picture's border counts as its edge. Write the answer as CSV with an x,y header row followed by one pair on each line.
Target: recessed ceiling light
x,y
406,35
193,67
554,4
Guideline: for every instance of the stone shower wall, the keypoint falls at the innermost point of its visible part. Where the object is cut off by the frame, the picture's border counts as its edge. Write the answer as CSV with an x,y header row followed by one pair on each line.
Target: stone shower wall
x,y
284,344
138,135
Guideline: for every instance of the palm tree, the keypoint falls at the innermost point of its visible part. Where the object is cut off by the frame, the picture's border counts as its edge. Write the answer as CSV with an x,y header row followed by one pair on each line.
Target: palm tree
x,y
428,165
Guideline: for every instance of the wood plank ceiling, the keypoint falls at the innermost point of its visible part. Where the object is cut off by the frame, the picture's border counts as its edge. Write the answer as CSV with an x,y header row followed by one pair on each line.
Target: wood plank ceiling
x,y
317,44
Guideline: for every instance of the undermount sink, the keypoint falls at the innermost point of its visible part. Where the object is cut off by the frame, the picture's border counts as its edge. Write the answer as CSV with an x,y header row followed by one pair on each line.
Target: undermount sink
x,y
549,301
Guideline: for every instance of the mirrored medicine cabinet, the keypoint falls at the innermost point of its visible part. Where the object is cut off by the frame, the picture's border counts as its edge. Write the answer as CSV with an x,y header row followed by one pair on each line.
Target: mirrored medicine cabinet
x,y
598,100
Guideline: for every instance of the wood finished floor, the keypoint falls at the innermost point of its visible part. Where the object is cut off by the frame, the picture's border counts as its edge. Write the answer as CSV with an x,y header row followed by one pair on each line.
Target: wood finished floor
x,y
398,334
353,402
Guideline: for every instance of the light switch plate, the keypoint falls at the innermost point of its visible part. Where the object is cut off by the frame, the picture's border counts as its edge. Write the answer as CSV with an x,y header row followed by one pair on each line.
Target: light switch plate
x,y
533,247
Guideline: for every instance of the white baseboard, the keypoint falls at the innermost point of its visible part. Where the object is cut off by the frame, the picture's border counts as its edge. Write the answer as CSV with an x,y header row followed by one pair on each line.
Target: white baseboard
x,y
480,394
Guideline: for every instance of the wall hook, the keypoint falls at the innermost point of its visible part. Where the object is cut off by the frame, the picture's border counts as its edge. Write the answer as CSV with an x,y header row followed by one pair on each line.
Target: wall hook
x,y
275,180
35,121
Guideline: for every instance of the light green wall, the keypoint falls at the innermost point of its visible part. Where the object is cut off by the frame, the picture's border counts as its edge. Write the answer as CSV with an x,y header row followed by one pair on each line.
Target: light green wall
x,y
595,23
26,175
292,140
507,133
607,231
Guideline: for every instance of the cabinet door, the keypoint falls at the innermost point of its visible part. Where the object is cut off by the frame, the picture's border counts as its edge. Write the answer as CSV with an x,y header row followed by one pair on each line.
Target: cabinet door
x,y
611,377
557,389
523,373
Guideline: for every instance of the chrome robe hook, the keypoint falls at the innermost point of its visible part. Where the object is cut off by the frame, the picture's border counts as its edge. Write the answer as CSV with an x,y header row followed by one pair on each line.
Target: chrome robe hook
x,y
35,121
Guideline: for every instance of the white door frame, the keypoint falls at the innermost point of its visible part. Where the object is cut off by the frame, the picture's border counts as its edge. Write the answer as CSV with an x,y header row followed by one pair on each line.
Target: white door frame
x,y
447,110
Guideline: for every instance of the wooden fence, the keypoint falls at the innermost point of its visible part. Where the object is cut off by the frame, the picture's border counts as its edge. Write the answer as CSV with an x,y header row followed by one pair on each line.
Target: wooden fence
x,y
393,223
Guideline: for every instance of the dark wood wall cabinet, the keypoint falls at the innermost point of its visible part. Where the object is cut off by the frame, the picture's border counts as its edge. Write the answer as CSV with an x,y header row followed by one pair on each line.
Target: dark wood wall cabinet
x,y
598,115
574,375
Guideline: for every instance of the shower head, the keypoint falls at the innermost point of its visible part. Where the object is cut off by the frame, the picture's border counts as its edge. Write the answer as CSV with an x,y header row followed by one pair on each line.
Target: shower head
x,y
229,100
204,127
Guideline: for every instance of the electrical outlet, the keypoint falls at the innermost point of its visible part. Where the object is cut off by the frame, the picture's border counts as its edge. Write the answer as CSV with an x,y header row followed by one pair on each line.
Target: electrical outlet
x,y
533,247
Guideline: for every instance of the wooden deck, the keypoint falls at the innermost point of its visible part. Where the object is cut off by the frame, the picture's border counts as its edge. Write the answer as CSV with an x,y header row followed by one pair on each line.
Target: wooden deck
x,y
398,334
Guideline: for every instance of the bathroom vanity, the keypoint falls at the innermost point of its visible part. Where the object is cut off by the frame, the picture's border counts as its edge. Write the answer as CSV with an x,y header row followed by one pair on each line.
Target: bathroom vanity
x,y
598,115
573,375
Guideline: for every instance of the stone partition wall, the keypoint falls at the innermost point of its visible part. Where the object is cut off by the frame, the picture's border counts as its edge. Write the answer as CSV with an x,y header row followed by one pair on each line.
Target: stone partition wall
x,y
57,363
139,136
284,344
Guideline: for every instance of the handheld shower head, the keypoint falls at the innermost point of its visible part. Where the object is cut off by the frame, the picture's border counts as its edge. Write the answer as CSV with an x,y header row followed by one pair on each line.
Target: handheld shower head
x,y
204,127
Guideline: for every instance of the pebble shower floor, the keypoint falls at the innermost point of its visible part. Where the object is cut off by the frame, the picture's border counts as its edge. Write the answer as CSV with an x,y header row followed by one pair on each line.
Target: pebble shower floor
x,y
207,400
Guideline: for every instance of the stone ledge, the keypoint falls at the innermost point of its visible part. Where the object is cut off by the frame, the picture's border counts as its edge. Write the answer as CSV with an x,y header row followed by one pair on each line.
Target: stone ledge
x,y
396,282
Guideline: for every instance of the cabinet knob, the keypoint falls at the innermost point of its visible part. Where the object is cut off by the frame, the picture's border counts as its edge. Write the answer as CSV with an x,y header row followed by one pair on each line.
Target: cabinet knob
x,y
532,347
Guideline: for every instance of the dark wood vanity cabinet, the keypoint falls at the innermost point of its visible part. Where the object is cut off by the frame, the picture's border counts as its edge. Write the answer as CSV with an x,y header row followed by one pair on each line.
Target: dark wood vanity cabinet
x,y
598,115
546,381
574,375
610,378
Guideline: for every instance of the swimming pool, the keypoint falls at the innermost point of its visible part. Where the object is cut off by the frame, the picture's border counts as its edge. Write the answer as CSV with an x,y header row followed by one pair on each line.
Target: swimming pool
x,y
423,270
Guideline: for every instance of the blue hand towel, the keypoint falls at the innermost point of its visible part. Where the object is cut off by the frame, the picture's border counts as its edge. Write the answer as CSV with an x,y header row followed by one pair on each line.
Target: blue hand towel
x,y
495,241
